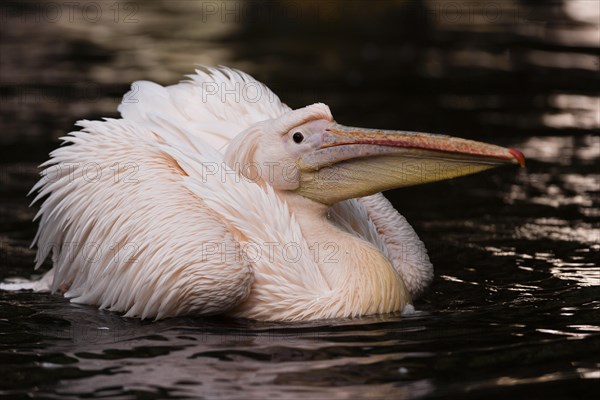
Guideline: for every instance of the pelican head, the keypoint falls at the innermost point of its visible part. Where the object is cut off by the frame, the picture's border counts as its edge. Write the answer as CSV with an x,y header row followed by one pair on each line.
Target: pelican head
x,y
307,153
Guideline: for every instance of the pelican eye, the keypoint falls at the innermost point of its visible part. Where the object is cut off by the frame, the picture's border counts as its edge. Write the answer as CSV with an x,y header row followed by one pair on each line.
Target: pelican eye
x,y
298,137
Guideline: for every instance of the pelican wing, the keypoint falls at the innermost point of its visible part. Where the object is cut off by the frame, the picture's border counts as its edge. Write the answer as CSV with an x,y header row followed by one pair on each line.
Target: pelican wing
x,y
127,235
124,230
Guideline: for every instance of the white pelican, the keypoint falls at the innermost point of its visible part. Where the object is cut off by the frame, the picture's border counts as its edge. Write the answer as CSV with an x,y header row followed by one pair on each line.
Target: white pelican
x,y
211,196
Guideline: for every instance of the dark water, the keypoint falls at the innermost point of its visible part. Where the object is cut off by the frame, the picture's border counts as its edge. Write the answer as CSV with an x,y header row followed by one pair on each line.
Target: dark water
x,y
514,309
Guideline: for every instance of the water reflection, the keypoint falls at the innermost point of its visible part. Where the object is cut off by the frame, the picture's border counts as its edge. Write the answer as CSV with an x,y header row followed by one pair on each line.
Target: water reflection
x,y
577,111
562,149
456,60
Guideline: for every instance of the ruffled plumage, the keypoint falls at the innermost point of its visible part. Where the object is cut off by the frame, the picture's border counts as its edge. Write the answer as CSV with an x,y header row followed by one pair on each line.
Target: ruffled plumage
x,y
135,222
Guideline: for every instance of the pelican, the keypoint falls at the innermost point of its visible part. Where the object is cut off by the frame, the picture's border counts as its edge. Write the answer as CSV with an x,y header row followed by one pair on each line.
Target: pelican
x,y
211,196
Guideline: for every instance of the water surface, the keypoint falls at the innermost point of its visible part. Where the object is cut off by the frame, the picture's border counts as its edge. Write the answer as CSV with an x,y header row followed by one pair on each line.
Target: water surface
x,y
513,311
